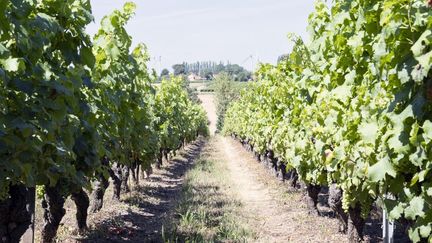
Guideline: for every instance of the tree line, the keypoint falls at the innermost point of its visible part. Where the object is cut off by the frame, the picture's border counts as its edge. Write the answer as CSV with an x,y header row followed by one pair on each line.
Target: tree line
x,y
209,70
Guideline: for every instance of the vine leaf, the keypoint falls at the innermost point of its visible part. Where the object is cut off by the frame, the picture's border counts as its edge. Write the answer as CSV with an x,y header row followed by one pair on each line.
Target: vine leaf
x,y
427,129
368,132
397,211
378,171
13,64
415,208
425,230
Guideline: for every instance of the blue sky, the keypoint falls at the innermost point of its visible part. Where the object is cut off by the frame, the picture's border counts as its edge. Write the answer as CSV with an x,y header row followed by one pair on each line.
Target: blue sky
x,y
216,30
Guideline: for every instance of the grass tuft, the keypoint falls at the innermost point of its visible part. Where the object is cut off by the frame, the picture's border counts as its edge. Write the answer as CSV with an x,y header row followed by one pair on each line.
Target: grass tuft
x,y
208,211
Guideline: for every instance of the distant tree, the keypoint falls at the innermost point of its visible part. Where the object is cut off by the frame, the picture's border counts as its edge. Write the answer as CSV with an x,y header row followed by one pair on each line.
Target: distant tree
x,y
282,58
243,76
165,72
209,70
220,68
226,91
208,75
233,69
238,72
179,69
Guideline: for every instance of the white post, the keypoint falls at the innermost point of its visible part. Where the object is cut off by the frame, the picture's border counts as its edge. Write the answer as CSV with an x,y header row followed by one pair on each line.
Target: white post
x,y
388,228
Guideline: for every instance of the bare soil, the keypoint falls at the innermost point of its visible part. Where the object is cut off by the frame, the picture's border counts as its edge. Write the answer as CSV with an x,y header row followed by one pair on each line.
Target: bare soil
x,y
210,107
140,215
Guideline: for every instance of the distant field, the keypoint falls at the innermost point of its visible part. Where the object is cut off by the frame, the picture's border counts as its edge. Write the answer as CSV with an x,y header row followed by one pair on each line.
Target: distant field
x,y
201,85
208,86
200,81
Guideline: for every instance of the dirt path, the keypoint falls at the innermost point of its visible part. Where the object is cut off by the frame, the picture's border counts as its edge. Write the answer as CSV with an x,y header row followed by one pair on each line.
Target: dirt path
x,y
255,198
275,214
210,107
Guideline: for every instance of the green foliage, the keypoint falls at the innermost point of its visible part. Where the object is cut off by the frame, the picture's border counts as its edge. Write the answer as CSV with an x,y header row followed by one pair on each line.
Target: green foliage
x,y
46,129
122,93
165,73
226,91
65,102
179,69
179,119
353,106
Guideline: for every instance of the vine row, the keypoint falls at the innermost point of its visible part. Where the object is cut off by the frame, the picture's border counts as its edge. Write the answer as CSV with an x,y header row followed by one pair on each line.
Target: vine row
x,y
352,108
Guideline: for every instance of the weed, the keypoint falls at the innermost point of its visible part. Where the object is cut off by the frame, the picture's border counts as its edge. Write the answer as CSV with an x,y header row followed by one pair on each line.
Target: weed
x,y
207,211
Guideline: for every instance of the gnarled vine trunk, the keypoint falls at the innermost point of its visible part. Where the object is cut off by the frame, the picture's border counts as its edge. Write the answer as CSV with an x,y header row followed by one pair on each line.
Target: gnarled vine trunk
x,y
165,155
257,156
116,176
355,224
135,172
281,173
312,198
148,171
97,195
16,213
125,179
335,203
82,204
272,163
160,158
99,187
52,205
292,177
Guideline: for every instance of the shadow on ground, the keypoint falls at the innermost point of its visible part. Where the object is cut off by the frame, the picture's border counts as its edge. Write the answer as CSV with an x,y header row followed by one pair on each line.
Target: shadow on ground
x,y
150,205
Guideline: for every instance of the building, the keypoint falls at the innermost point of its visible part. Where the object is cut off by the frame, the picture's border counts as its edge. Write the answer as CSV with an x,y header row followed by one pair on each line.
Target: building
x,y
194,77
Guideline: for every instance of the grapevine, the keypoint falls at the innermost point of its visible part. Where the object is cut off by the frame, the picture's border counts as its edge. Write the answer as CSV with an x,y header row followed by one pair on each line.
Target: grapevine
x,y
71,109
352,107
